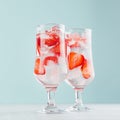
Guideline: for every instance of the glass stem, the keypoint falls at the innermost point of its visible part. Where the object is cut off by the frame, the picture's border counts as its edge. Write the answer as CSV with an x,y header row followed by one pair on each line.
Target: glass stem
x,y
78,98
51,98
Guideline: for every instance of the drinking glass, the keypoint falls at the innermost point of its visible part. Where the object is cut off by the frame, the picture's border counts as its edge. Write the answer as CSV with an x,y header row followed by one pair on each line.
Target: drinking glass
x,y
79,63
49,68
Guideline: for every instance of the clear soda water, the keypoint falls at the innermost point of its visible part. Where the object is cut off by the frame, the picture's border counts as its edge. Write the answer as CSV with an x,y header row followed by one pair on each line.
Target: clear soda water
x,y
50,66
79,60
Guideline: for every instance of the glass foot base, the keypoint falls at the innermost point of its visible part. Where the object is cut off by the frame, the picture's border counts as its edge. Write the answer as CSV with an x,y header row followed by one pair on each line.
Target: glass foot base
x,y
52,110
78,108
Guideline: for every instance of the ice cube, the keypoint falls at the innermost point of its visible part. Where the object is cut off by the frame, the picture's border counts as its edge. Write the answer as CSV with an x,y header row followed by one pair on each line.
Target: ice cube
x,y
52,73
63,65
75,73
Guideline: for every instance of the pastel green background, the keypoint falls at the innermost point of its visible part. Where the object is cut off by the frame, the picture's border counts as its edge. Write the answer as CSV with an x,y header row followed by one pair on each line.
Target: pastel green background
x,y
18,21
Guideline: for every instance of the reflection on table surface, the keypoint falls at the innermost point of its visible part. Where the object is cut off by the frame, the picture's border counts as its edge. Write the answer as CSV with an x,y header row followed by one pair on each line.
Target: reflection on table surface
x,y
30,112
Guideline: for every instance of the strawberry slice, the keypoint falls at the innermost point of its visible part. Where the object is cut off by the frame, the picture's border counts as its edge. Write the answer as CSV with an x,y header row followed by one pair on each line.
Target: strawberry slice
x,y
38,44
75,60
39,68
72,43
52,40
50,58
56,49
85,69
76,44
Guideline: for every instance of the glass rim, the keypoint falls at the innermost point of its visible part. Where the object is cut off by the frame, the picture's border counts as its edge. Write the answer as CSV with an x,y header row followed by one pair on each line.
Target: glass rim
x,y
50,24
78,28
42,26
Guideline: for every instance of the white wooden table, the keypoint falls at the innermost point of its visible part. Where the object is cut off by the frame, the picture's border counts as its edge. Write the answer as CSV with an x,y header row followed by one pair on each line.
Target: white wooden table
x,y
29,112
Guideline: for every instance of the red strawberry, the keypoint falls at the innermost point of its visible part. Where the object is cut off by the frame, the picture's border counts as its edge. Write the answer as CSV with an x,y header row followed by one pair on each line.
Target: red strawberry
x,y
52,40
39,68
50,58
76,44
75,60
85,69
56,49
38,43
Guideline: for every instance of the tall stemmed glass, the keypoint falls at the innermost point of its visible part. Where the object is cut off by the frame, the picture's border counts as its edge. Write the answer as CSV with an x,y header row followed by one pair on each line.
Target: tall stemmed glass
x,y
50,60
79,62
